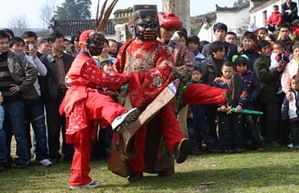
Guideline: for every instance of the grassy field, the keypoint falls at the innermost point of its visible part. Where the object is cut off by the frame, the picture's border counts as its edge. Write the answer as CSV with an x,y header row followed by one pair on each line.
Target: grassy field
x,y
276,170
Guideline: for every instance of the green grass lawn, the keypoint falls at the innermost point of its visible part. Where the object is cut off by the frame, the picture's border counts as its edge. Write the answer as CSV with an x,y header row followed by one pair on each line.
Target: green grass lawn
x,y
276,170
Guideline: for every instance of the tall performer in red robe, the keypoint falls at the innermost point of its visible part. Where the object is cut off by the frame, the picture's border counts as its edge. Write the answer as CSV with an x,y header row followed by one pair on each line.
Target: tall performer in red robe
x,y
154,64
153,61
84,104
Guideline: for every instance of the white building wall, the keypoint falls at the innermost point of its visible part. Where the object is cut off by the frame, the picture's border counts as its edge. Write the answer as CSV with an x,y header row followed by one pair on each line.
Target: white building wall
x,y
257,17
235,21
206,33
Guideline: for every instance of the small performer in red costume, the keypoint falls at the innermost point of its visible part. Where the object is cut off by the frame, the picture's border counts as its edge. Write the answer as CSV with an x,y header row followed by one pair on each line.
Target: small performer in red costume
x,y
84,104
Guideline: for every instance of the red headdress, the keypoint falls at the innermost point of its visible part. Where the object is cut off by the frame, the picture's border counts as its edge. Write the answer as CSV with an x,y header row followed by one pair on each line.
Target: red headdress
x,y
169,20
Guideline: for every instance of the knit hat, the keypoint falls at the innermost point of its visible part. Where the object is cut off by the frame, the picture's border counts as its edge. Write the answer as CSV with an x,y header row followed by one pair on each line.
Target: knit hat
x,y
169,20
84,36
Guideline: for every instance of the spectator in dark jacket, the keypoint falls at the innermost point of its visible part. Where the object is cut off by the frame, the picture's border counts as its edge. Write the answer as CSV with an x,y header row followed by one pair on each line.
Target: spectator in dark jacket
x,y
249,40
220,32
289,11
211,66
53,89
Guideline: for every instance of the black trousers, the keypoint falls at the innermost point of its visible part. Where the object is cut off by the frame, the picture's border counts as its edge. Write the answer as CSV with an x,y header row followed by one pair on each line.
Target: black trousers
x,y
56,123
271,121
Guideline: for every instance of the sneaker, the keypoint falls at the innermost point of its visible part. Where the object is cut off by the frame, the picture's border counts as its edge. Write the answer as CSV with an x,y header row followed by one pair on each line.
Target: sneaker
x,y
233,92
92,184
182,150
122,121
45,162
291,145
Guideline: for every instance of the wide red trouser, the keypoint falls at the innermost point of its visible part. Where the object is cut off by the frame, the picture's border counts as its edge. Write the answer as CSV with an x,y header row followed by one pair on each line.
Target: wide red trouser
x,y
195,94
98,107
170,131
201,94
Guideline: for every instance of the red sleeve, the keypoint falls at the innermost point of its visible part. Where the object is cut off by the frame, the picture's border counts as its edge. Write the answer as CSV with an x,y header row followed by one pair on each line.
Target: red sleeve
x,y
97,76
269,21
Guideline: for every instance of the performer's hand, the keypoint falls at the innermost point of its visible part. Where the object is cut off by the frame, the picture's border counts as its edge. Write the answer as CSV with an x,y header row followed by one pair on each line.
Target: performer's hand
x,y
239,109
289,96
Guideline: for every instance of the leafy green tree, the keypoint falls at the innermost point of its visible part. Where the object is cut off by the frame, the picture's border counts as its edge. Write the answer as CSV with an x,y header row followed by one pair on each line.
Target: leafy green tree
x,y
73,10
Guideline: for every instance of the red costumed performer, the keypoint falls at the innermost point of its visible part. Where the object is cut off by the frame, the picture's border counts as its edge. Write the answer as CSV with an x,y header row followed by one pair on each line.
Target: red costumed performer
x,y
83,104
152,65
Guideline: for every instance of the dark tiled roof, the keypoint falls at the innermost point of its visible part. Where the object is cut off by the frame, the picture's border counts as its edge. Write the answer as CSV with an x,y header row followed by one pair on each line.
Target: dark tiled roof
x,y
231,9
68,27
130,9
198,21
260,4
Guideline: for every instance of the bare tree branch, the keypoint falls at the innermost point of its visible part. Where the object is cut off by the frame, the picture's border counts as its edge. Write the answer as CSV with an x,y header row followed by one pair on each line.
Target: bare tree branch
x,y
18,24
47,12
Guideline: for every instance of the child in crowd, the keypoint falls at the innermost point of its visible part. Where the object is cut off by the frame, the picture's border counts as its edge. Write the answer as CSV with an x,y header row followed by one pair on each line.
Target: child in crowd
x,y
262,33
105,54
290,112
194,44
274,20
251,83
113,48
279,57
101,147
198,127
289,72
279,60
180,37
271,39
249,40
230,125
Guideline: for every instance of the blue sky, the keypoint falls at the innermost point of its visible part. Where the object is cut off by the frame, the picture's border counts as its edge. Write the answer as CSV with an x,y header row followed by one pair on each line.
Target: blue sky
x,y
30,9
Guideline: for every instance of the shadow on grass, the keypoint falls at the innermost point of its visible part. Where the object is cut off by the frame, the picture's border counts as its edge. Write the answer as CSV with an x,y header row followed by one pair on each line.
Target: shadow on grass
x,y
220,179
189,177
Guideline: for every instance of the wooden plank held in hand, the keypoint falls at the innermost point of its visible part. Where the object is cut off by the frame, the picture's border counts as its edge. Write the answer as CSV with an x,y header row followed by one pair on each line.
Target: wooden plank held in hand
x,y
153,108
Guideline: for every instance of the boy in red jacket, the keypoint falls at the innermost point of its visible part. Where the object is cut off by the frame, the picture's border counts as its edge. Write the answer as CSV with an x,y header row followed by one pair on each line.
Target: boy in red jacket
x,y
275,17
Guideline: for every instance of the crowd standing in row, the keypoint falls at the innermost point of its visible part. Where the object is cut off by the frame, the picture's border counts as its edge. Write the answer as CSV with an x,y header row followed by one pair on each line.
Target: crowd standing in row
x,y
43,88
